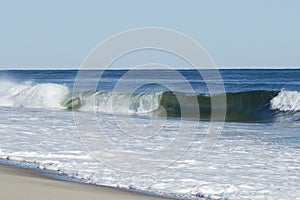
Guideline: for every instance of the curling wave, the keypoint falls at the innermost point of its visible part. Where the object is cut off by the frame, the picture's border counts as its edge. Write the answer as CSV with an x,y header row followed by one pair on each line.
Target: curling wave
x,y
251,106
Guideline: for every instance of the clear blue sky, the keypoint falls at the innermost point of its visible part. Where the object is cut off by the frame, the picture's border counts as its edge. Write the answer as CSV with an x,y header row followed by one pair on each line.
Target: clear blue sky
x,y
59,34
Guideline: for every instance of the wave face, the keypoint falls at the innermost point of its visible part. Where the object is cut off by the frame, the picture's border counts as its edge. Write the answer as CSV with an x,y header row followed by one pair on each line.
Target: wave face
x,y
251,106
240,106
44,95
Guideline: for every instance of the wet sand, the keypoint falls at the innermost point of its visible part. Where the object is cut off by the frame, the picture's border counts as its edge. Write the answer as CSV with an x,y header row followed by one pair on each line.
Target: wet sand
x,y
25,184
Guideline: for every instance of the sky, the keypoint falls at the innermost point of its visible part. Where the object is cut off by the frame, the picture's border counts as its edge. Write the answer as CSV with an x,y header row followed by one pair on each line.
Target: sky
x,y
236,34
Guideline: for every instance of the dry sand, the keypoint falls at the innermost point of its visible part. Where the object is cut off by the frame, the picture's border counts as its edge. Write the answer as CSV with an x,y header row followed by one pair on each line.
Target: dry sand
x,y
17,184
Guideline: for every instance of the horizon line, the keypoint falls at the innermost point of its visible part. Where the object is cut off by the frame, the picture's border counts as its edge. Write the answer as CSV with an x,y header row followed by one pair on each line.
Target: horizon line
x,y
221,67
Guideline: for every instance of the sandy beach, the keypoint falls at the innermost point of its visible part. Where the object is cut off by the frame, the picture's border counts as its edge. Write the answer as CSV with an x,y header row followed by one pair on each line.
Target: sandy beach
x,y
17,184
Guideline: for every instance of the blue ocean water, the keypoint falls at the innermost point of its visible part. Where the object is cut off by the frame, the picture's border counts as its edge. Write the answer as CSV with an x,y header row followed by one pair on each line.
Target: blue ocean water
x,y
256,152
235,80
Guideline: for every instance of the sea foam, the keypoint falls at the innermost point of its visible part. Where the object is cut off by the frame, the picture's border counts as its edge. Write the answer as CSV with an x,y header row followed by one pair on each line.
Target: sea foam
x,y
27,94
286,101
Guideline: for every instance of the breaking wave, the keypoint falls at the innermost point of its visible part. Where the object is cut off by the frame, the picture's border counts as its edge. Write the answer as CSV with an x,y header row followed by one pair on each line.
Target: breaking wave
x,y
286,101
250,106
44,95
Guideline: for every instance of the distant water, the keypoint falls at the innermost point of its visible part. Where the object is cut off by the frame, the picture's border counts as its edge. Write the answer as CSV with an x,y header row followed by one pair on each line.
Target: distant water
x,y
256,156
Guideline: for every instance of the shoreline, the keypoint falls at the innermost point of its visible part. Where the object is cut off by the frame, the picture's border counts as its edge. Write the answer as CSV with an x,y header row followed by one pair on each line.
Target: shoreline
x,y
25,183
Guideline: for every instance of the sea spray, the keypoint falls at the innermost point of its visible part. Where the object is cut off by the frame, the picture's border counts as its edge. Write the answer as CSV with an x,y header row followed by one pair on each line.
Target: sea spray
x,y
27,94
286,101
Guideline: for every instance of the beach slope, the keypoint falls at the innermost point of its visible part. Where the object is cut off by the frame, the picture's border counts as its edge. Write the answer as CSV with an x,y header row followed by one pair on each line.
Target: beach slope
x,y
17,184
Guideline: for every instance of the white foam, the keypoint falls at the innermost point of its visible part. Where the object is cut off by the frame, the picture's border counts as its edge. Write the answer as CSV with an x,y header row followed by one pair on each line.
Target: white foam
x,y
44,95
253,161
286,101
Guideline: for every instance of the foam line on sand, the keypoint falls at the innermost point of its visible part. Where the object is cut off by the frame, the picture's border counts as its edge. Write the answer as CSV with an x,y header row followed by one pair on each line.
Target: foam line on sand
x,y
17,183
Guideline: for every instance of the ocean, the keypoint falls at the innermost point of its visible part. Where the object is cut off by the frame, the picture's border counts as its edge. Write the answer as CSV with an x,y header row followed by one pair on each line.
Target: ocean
x,y
150,133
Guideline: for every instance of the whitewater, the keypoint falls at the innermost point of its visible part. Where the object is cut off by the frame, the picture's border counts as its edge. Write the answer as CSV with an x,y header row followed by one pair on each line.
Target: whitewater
x,y
255,157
